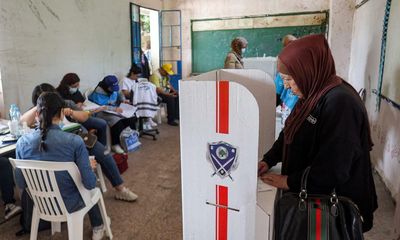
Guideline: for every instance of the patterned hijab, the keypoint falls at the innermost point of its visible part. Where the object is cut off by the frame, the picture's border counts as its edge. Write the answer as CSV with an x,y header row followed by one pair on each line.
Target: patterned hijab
x,y
309,61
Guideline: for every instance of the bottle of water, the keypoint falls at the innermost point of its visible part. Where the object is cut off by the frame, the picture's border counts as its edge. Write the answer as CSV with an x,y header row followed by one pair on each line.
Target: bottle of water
x,y
15,115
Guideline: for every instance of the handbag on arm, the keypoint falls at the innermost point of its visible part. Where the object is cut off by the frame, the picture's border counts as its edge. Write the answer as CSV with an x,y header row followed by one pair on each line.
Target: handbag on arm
x,y
304,216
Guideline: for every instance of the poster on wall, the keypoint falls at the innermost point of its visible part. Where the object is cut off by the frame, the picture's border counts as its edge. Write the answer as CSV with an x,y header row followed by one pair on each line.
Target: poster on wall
x,y
391,74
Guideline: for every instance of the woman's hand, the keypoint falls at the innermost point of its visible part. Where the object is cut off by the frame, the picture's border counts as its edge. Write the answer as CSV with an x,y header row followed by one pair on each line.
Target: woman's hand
x,y
276,180
68,112
262,168
93,162
80,105
118,110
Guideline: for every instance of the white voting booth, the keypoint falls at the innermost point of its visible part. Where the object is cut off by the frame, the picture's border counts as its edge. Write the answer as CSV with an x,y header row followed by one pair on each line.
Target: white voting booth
x,y
227,123
266,64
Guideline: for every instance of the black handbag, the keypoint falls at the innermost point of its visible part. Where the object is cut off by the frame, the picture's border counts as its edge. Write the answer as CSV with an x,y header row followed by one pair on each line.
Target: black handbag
x,y
302,216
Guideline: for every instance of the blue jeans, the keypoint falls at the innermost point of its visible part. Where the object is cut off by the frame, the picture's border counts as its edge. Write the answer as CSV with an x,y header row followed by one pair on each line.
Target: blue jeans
x,y
95,216
7,180
101,127
107,164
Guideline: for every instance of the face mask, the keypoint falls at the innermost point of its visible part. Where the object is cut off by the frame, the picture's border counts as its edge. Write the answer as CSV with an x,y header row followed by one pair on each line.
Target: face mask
x,y
73,90
243,50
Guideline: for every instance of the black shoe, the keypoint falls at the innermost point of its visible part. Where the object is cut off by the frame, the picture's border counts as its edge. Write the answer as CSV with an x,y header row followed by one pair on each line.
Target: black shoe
x,y
173,123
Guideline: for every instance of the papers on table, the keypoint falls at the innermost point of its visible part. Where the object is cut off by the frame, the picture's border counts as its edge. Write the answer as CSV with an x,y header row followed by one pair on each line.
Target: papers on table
x,y
3,126
263,187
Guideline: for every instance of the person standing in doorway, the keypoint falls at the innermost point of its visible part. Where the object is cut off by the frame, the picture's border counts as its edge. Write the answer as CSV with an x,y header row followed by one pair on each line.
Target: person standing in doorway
x,y
234,58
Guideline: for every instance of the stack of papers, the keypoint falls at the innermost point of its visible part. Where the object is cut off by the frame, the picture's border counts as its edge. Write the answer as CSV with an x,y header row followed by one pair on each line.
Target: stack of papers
x,y
263,187
70,126
89,105
127,110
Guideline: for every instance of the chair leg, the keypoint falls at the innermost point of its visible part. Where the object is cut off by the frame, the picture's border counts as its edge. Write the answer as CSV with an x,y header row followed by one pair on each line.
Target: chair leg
x,y
104,215
55,227
75,226
101,179
34,223
159,116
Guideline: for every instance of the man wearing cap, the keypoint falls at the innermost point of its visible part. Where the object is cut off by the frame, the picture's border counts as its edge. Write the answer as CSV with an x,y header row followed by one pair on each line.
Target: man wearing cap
x,y
160,78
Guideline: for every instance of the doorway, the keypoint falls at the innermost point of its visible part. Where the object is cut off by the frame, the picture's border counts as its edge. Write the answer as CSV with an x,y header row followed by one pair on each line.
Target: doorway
x,y
145,36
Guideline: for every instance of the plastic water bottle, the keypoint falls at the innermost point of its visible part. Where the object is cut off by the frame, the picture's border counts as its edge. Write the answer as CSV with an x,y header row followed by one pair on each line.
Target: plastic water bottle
x,y
15,115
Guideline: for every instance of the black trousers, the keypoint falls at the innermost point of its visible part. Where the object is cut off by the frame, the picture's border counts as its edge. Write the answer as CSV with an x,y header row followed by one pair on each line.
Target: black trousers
x,y
117,128
7,179
172,106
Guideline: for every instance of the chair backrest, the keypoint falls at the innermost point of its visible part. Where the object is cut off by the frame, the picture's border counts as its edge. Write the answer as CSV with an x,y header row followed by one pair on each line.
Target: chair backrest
x,y
43,188
88,92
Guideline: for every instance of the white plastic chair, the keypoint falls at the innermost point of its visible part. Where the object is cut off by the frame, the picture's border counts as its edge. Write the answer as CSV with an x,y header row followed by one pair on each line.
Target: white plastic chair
x,y
100,176
48,203
159,113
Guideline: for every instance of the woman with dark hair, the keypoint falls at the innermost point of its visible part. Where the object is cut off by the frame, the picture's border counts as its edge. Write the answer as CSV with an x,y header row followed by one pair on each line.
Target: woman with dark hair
x,y
49,143
69,90
234,58
107,94
142,94
106,161
328,130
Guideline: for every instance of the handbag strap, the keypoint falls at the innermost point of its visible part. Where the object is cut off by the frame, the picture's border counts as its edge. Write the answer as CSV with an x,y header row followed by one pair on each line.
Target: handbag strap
x,y
303,190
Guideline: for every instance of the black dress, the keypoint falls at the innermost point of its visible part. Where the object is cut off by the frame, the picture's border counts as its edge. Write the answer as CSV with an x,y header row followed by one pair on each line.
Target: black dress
x,y
334,141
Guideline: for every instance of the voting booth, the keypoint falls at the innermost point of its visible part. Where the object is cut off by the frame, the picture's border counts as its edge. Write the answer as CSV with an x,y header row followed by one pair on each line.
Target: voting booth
x,y
227,121
266,64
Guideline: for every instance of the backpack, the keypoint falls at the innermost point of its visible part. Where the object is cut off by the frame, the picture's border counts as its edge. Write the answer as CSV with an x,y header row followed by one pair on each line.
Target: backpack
x,y
26,216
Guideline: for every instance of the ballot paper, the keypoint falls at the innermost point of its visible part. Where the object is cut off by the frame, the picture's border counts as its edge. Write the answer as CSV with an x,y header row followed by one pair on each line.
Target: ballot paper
x,y
89,105
263,187
127,110
69,126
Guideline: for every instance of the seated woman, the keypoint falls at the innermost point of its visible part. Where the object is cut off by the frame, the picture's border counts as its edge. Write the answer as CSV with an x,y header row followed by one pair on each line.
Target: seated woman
x,y
69,90
50,143
141,94
107,94
106,161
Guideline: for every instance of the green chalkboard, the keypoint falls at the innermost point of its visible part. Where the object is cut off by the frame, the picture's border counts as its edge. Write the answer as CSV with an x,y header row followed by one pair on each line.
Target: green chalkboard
x,y
209,48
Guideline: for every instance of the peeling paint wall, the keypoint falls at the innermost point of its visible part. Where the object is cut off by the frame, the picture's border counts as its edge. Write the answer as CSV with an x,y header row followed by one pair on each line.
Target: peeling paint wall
x,y
341,14
41,40
363,73
203,9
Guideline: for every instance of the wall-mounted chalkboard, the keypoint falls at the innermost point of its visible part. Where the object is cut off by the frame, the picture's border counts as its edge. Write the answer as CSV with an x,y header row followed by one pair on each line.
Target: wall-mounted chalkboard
x,y
209,47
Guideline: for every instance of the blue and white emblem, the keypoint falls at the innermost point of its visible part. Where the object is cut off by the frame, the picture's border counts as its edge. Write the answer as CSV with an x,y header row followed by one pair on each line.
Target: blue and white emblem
x,y
223,157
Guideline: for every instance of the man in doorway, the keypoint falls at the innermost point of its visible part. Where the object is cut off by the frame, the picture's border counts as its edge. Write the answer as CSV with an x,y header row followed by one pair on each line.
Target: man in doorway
x,y
160,78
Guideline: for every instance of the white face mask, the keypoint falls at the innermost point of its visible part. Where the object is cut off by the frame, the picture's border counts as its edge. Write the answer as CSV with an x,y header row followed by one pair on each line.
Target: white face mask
x,y
73,90
243,50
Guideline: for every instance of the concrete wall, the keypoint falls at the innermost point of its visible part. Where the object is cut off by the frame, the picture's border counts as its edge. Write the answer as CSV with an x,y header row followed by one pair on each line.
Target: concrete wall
x,y
363,73
42,40
341,14
203,9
